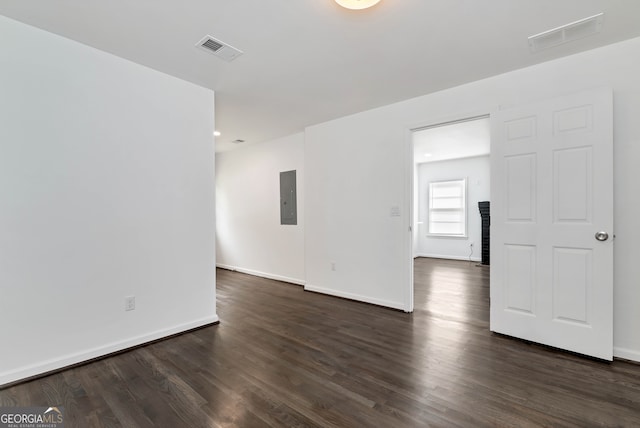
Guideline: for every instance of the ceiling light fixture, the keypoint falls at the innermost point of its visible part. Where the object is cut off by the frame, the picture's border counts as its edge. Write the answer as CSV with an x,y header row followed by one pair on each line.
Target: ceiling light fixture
x,y
216,133
357,4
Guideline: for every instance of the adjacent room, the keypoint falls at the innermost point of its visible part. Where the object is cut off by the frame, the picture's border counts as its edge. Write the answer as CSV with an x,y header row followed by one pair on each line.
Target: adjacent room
x,y
450,241
451,179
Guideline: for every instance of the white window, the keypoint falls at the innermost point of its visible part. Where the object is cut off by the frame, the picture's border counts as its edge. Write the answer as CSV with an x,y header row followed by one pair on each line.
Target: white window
x,y
448,208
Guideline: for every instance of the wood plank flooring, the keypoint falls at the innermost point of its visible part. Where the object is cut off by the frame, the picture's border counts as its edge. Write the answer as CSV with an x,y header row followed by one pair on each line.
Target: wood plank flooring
x,y
283,357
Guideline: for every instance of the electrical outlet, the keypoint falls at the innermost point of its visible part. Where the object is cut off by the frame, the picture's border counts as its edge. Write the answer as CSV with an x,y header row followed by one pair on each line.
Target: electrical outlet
x,y
129,303
471,244
333,266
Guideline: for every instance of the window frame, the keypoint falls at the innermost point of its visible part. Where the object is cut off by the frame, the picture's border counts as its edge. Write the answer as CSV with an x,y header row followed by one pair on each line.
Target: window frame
x,y
464,210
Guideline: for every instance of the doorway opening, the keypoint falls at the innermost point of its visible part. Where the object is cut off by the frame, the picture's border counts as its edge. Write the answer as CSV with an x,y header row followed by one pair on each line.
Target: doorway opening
x,y
451,176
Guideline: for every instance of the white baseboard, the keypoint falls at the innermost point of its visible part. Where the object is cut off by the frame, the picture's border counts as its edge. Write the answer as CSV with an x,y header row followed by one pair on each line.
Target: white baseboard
x,y
90,354
627,354
262,274
357,297
440,256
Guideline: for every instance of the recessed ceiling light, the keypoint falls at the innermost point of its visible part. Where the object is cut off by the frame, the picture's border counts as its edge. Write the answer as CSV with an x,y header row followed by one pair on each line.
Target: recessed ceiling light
x,y
357,4
427,155
216,133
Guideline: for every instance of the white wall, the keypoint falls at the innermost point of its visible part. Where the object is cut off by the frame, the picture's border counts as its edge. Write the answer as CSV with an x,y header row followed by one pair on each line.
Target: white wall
x,y
357,167
106,191
250,237
477,171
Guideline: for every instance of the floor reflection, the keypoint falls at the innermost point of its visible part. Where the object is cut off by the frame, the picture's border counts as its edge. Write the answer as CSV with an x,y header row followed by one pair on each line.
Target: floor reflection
x,y
450,307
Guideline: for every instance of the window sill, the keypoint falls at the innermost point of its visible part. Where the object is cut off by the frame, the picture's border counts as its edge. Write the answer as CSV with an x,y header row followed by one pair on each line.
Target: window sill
x,y
438,235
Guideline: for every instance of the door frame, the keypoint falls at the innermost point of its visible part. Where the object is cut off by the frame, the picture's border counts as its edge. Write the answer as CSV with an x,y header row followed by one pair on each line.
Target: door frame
x,y
409,188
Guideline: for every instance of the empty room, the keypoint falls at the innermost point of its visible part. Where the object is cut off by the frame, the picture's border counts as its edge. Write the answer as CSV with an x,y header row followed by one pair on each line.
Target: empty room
x,y
219,214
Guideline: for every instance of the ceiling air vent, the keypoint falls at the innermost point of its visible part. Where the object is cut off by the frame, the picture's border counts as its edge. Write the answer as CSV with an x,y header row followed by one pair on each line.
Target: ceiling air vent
x,y
566,33
218,48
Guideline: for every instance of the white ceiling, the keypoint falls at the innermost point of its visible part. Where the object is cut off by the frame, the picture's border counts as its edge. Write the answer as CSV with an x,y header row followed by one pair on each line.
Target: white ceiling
x,y
309,61
453,141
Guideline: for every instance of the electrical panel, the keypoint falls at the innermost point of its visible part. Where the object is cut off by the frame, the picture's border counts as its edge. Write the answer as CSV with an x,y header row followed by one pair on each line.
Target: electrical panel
x,y
288,203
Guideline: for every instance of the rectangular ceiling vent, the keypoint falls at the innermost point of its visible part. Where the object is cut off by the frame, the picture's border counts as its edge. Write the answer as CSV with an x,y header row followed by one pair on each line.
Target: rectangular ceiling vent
x,y
566,33
218,48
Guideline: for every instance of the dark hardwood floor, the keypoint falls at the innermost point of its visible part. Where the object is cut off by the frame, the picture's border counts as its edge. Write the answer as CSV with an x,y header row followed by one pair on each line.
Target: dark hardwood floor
x,y
284,357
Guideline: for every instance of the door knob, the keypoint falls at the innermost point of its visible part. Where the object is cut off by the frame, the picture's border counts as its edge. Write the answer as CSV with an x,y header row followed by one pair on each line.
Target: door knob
x,y
602,236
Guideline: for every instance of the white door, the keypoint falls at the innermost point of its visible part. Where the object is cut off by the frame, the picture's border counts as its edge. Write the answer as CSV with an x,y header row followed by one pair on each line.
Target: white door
x,y
551,196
